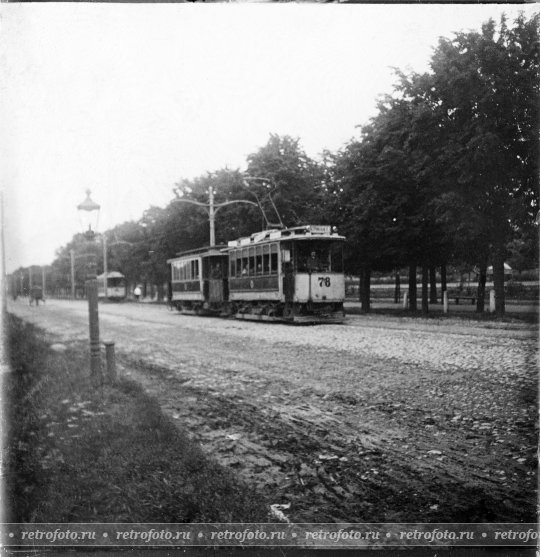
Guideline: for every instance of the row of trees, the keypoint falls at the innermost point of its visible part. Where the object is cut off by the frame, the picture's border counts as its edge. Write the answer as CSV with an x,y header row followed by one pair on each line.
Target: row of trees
x,y
445,173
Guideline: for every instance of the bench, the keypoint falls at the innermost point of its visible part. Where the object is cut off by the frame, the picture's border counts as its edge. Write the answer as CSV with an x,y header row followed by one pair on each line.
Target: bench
x,y
458,298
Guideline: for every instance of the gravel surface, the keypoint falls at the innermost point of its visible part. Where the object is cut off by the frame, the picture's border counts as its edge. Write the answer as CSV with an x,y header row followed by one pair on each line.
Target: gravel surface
x,y
380,419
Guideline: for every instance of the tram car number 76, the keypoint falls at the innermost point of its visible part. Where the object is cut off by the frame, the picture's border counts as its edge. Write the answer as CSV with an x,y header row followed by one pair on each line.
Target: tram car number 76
x,y
293,275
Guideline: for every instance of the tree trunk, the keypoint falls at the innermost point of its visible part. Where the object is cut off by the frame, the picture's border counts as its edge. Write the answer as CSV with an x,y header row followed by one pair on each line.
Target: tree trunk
x,y
412,287
481,292
365,288
425,298
397,289
498,280
443,278
432,286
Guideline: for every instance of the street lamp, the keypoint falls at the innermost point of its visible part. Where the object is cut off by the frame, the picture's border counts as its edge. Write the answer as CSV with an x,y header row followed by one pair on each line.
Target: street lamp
x,y
88,214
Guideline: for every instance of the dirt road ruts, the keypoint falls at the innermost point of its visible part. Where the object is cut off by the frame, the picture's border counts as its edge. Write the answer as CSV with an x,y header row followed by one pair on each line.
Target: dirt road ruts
x,y
380,419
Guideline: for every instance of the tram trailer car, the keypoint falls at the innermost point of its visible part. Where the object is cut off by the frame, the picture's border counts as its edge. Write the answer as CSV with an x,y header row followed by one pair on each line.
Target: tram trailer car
x,y
292,275
199,284
115,290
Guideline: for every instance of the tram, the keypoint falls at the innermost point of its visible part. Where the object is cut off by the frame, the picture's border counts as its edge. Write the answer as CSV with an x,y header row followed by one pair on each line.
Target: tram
x,y
115,289
291,275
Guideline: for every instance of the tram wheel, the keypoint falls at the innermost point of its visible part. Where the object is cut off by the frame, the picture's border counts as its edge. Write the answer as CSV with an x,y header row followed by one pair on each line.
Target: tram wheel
x,y
287,312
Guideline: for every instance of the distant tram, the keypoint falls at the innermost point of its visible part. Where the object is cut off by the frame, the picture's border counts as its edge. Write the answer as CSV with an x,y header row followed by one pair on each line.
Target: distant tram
x,y
115,290
292,275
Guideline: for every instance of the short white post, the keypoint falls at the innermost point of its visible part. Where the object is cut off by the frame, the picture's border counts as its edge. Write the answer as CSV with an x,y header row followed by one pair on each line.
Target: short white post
x,y
405,299
491,301
445,301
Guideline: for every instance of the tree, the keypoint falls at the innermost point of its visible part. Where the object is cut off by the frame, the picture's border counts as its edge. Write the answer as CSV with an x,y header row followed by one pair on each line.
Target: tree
x,y
387,195
485,88
293,181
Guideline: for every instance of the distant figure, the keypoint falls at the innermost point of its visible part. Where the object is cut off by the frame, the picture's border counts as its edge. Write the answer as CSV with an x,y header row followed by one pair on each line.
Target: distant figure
x,y
36,294
137,292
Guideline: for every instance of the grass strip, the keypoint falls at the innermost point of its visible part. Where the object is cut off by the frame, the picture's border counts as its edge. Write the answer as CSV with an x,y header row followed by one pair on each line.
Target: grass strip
x,y
73,453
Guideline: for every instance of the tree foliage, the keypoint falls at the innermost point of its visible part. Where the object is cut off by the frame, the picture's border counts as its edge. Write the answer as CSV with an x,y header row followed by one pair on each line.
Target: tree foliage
x,y
446,172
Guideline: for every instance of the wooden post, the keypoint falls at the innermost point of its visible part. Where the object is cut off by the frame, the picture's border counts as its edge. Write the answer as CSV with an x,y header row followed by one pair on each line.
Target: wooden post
x,y
111,361
445,302
492,301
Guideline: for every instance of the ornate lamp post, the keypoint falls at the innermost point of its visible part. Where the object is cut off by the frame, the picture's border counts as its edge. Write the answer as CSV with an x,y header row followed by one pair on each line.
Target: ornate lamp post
x,y
89,213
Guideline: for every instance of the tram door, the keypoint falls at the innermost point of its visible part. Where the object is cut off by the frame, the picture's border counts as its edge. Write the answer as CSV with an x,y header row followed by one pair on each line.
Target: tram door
x,y
216,291
288,272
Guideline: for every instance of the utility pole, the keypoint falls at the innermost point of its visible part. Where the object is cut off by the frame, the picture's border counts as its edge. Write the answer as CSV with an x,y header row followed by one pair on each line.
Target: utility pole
x,y
4,289
105,267
43,285
211,208
72,256
211,216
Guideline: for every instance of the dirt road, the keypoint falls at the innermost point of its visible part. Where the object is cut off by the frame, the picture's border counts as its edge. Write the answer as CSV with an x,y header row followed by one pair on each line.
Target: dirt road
x,y
381,419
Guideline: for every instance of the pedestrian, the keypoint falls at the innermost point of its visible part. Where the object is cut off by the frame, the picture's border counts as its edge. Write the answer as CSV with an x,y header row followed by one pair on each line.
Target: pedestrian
x,y
36,294
137,292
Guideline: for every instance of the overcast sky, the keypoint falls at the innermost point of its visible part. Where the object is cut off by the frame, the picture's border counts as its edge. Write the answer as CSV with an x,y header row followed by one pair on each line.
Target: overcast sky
x,y
127,99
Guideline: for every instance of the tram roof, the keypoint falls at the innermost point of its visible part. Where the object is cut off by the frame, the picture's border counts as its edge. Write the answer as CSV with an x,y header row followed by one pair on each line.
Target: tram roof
x,y
306,232
207,250
111,274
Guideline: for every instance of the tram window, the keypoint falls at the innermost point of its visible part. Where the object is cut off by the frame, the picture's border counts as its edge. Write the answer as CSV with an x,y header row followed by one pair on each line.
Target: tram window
x,y
313,257
258,260
337,257
274,259
245,264
266,260
196,275
251,261
232,266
